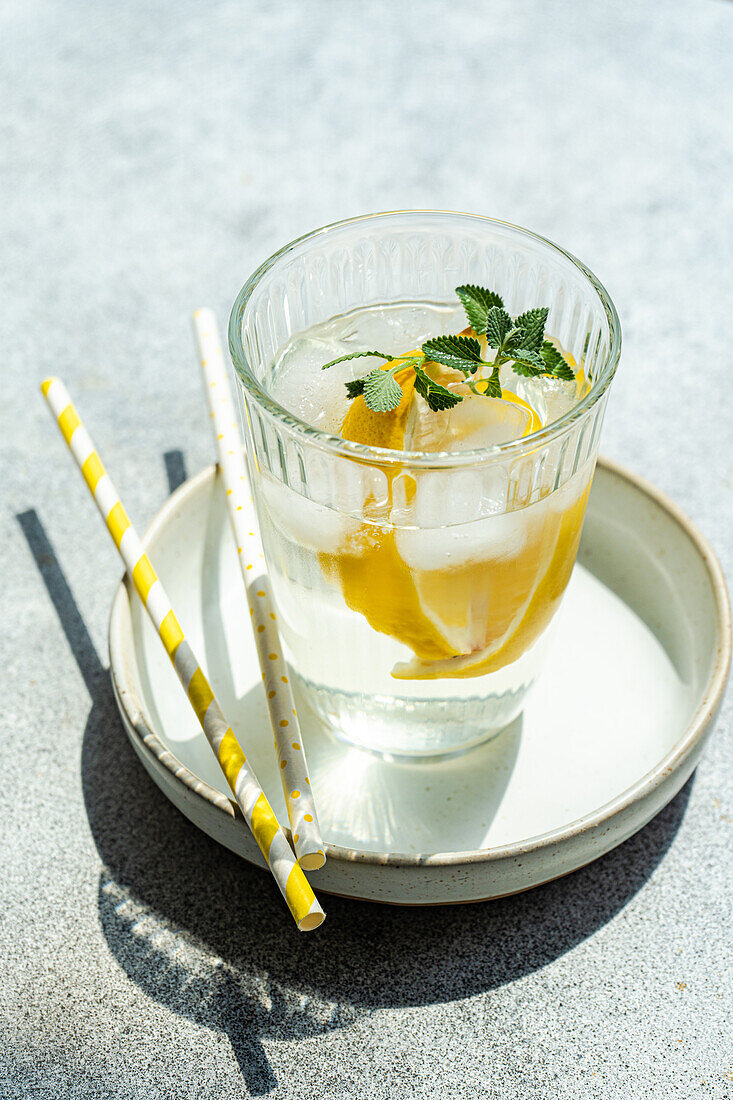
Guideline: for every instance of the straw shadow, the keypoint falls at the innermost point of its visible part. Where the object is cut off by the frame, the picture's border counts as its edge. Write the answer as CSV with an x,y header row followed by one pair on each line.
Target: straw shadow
x,y
207,935
62,598
175,469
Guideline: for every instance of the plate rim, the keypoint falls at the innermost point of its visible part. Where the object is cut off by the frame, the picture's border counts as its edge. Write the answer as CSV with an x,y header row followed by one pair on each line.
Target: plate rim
x,y
149,742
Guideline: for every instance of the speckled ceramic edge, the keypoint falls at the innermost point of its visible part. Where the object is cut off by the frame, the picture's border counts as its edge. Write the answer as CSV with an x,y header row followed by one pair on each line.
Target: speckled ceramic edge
x,y
656,787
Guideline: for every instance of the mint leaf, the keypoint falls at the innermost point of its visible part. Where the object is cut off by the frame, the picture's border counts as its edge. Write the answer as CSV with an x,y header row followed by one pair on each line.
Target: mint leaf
x,y
477,301
564,371
459,352
531,326
555,362
493,385
379,389
355,388
550,355
530,361
526,370
357,355
498,324
381,392
436,396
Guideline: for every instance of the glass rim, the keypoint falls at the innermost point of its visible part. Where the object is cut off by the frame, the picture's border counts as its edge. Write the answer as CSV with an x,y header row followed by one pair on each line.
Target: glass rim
x,y
382,456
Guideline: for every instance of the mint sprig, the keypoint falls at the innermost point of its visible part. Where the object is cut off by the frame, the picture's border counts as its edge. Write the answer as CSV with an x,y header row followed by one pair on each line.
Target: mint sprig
x,y
522,343
518,341
383,393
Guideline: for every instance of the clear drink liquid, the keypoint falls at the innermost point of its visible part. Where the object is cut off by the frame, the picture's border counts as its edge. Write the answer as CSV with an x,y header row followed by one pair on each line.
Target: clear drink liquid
x,y
413,603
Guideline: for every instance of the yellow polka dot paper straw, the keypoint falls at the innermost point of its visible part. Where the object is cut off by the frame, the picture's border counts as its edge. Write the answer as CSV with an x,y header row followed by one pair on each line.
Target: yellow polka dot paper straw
x,y
241,778
288,741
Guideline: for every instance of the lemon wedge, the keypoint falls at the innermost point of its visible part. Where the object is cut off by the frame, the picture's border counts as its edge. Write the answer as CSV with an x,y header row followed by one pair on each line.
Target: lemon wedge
x,y
535,423
381,429
376,583
374,580
523,605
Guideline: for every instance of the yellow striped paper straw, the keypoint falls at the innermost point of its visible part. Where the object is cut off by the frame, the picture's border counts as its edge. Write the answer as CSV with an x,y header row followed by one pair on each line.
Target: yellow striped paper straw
x,y
288,740
241,778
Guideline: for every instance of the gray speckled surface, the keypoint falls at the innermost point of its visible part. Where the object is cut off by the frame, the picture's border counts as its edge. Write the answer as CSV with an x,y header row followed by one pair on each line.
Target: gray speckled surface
x,y
150,156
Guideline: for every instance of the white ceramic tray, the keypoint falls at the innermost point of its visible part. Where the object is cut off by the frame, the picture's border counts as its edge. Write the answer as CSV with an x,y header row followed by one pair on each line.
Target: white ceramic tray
x,y
611,732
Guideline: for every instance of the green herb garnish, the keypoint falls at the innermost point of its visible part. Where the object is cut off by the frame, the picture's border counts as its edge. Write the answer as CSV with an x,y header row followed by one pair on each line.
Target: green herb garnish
x,y
436,396
555,364
455,351
519,341
358,355
477,302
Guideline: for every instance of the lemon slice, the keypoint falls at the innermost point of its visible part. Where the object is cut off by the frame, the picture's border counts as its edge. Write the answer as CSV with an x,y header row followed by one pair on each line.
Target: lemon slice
x,y
479,605
535,423
376,583
532,616
374,580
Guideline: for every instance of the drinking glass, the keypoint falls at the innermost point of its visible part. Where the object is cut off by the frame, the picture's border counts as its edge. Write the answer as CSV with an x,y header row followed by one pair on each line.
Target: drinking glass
x,y
415,590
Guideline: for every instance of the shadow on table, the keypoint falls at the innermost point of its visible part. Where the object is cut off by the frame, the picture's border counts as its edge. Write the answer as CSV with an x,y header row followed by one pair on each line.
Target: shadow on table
x,y
206,934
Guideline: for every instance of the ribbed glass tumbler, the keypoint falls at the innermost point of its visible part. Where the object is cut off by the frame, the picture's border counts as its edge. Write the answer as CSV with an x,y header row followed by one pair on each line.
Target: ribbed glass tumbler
x,y
415,590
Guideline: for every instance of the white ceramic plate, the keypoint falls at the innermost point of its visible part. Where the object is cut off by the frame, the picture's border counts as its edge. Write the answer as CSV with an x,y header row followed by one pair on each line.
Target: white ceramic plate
x,y
611,732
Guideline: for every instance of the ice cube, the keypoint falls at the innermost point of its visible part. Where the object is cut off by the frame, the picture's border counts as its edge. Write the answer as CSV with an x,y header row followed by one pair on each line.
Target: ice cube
x,y
395,328
551,398
485,540
478,422
455,517
315,395
309,524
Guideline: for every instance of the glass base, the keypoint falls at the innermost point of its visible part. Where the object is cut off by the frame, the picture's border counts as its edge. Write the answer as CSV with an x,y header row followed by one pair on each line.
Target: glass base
x,y
415,729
